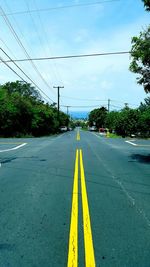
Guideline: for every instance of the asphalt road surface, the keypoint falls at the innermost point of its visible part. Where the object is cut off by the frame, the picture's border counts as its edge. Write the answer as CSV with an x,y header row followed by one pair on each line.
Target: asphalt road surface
x,y
74,200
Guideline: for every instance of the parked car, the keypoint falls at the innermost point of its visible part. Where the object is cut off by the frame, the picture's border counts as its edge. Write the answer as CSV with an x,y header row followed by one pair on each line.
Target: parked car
x,y
93,128
63,128
103,131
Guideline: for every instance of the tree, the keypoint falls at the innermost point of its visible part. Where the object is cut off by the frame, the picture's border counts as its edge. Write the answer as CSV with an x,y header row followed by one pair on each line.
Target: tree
x,y
147,4
140,53
144,122
22,112
127,122
22,88
111,120
98,117
146,105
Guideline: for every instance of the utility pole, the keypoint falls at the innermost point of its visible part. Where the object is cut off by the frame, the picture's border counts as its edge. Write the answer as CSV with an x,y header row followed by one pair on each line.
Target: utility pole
x,y
108,105
67,109
58,97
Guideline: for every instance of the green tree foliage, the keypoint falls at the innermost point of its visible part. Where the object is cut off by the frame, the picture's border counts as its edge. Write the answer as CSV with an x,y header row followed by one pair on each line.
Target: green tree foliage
x,y
147,4
144,120
97,117
146,105
140,53
111,120
127,121
22,112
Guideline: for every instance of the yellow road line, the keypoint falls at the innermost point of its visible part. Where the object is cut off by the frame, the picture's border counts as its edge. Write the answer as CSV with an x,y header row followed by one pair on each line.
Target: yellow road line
x,y
88,241
73,239
78,136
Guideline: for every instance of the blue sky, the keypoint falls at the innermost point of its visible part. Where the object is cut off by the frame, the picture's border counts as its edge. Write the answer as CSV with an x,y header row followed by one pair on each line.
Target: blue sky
x,y
104,27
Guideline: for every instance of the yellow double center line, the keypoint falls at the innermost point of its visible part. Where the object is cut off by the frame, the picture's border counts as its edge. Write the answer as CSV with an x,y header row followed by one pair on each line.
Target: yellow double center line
x,y
73,239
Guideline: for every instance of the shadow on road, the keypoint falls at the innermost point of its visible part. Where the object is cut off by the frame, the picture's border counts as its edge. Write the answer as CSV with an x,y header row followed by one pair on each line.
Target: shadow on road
x,y
141,158
5,246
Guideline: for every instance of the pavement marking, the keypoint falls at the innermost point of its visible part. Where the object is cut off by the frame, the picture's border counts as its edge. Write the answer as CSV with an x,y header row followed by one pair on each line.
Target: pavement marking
x,y
78,135
73,236
14,148
88,241
131,143
73,239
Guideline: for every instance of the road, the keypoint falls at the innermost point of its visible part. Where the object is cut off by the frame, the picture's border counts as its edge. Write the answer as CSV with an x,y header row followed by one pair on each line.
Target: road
x,y
74,200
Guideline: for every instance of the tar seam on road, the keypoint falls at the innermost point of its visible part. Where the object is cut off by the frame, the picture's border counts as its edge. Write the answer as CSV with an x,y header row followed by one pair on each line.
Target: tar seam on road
x,y
124,190
73,237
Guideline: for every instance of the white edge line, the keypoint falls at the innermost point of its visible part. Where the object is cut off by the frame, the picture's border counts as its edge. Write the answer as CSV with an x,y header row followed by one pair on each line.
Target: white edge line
x,y
131,143
95,135
14,148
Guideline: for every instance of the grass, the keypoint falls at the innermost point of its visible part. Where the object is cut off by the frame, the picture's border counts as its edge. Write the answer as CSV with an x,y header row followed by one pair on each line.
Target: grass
x,y
113,135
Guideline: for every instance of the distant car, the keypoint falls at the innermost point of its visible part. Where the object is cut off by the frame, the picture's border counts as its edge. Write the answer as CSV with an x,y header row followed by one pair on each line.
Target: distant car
x,y
103,131
93,128
63,128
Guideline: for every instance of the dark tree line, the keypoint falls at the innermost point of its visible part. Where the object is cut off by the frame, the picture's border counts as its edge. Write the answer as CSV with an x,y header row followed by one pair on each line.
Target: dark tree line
x,y
22,112
125,122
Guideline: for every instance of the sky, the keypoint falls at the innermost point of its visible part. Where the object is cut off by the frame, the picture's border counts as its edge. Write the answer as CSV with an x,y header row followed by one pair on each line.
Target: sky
x,y
51,28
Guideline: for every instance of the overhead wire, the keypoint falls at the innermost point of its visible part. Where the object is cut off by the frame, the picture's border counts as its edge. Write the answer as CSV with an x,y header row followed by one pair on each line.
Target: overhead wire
x,y
10,51
97,100
84,99
23,48
80,106
39,37
23,73
55,68
74,56
11,69
20,31
60,7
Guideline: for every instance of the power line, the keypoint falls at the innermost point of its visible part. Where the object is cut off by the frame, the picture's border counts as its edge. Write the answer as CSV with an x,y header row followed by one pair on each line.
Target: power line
x,y
22,72
12,69
59,7
22,46
20,31
10,51
79,106
115,106
49,48
39,36
71,56
83,99
97,100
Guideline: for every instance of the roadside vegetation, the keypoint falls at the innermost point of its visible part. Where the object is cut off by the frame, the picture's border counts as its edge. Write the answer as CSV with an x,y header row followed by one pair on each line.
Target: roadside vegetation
x,y
126,122
23,113
140,54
